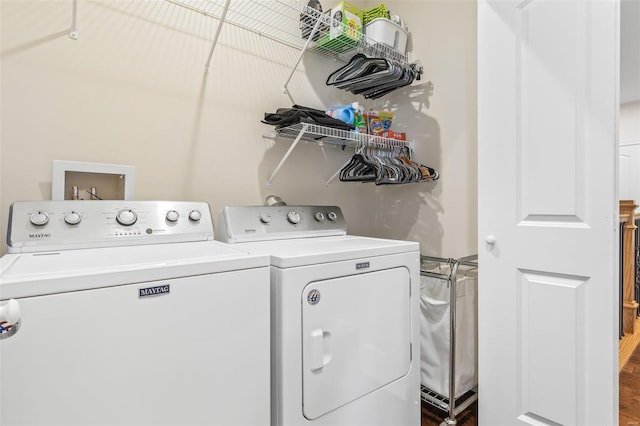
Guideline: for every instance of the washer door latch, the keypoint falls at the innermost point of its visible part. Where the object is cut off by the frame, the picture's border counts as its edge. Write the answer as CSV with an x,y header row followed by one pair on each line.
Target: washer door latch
x,y
9,318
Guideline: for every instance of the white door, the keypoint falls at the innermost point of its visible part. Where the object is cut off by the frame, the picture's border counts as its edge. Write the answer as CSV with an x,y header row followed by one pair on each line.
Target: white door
x,y
547,123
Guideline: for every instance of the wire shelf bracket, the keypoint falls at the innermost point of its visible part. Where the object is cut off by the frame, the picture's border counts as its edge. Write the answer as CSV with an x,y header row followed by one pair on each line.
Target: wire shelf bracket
x,y
217,35
73,31
335,175
287,154
285,86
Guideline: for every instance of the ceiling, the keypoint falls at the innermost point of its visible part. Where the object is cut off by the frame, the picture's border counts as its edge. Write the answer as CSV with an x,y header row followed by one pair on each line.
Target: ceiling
x,y
629,51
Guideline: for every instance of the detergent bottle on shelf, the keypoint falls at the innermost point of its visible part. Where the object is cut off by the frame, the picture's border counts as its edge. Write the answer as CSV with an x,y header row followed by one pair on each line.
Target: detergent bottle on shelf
x,y
346,113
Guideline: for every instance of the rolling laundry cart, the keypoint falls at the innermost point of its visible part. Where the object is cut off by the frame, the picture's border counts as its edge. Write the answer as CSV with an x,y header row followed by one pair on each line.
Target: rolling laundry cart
x,y
438,388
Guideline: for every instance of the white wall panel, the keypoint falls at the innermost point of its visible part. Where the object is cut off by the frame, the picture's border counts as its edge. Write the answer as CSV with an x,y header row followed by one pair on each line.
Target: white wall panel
x,y
624,170
551,156
552,308
629,170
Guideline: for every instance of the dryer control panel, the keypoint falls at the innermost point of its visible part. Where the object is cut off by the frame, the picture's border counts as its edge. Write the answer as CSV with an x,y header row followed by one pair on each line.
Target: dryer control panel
x,y
36,226
264,223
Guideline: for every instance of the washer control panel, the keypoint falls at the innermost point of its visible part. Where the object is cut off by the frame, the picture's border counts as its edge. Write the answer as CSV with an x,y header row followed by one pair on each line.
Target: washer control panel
x,y
36,226
263,223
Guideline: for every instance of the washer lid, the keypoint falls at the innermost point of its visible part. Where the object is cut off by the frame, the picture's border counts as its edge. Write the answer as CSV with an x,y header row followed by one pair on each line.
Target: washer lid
x,y
34,274
312,251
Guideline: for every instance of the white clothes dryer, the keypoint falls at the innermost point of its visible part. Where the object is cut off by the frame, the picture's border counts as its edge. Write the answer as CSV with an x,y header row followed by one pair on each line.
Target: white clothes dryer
x,y
345,326
127,313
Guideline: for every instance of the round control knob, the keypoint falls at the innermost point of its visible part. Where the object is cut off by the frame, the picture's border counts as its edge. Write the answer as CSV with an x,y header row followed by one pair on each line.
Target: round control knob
x,y
73,218
195,215
172,216
293,217
126,217
319,216
39,218
332,216
265,218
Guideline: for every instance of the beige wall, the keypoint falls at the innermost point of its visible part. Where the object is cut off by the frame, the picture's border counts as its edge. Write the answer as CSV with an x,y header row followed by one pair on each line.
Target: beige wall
x,y
132,91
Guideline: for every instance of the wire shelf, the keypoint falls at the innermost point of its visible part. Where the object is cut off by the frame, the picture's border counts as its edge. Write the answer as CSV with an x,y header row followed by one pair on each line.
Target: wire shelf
x,y
442,403
322,134
310,132
286,21
433,398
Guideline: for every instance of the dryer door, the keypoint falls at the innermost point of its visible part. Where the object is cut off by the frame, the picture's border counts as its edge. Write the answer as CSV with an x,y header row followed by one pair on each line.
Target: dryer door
x,y
356,337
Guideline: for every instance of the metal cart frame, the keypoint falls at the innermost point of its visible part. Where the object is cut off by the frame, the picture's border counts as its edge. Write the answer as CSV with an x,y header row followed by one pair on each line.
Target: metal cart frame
x,y
450,404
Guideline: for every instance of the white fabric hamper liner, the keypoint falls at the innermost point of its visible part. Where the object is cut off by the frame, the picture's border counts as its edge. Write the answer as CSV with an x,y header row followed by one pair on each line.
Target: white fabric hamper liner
x,y
435,332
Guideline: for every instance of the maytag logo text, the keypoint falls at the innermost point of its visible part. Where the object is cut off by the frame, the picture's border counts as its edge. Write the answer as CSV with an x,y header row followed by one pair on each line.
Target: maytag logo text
x,y
47,235
153,291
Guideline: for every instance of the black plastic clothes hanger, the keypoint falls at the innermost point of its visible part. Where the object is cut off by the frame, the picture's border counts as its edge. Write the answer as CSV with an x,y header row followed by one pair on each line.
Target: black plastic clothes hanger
x,y
386,170
373,77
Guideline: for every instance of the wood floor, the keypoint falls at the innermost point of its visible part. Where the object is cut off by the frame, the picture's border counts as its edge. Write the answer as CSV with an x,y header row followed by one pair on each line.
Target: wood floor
x,y
627,345
630,391
431,416
629,399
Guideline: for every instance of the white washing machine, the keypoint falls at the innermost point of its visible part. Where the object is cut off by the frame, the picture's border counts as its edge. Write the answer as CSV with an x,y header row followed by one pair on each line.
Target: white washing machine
x,y
345,325
127,313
